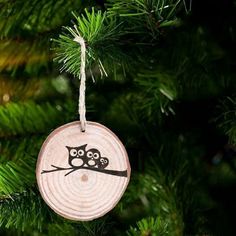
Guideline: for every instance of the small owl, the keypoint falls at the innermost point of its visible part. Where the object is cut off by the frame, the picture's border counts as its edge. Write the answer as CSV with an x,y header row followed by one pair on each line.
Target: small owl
x,y
77,156
93,156
103,162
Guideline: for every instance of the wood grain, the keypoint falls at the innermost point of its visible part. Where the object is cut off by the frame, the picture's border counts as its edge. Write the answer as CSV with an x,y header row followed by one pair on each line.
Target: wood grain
x,y
82,193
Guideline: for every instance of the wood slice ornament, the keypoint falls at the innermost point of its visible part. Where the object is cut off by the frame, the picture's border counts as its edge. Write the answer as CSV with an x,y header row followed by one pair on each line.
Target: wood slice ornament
x,y
82,175
83,168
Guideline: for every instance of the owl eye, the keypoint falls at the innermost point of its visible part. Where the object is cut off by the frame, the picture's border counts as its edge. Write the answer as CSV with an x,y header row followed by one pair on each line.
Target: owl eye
x,y
89,154
105,161
81,152
102,160
73,152
96,155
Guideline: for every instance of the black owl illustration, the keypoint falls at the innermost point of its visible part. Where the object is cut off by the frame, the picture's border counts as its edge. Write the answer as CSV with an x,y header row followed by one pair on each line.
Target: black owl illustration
x,y
92,160
77,156
102,162
93,156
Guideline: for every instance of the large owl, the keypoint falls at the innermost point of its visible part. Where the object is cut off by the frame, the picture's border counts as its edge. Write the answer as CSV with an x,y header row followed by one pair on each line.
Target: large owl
x,y
77,156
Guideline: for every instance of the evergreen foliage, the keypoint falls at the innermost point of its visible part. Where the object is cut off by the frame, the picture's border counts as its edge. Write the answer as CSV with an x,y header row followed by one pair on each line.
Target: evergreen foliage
x,y
23,211
226,120
149,226
164,73
20,118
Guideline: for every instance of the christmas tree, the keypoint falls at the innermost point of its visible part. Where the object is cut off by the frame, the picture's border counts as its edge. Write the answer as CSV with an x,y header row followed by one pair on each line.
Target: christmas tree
x,y
160,74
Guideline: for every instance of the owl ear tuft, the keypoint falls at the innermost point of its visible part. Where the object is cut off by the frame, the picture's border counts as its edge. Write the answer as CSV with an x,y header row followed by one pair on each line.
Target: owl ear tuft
x,y
68,147
83,146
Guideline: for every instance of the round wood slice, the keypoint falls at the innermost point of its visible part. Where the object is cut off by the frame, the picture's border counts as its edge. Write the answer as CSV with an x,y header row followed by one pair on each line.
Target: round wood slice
x,y
82,175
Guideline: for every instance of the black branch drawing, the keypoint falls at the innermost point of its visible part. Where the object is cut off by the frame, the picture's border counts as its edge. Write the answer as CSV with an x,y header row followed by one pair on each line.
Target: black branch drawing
x,y
74,168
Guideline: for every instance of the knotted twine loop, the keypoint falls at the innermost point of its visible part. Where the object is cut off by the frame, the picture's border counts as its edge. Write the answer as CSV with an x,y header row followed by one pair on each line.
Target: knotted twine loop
x,y
81,107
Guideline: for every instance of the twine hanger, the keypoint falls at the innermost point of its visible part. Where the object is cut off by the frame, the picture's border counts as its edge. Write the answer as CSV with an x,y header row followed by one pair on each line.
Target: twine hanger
x,y
82,76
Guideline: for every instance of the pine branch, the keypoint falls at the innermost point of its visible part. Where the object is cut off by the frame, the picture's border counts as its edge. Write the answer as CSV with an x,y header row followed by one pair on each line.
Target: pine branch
x,y
60,229
168,188
110,36
16,177
32,16
101,35
193,61
30,117
157,90
154,196
25,211
150,100
17,149
15,53
150,226
37,88
226,120
17,164
28,213
155,14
